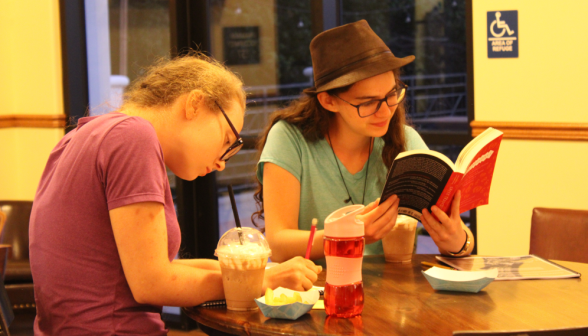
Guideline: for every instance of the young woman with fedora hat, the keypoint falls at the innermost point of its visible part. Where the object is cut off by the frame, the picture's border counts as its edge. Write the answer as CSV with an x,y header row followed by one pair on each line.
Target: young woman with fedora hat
x,y
333,146
103,229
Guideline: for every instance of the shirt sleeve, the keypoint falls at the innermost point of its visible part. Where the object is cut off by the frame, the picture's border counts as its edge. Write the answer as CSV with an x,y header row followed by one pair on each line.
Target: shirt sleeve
x,y
413,139
282,148
130,162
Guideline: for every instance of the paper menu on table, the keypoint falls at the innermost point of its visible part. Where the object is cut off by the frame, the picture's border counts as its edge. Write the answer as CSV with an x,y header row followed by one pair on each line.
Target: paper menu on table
x,y
513,267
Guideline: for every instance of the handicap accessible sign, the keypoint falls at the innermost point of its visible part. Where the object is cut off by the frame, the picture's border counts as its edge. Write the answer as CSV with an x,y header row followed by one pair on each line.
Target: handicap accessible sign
x,y
503,34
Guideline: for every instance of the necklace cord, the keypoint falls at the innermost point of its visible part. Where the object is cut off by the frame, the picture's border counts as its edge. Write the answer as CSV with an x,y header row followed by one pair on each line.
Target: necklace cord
x,y
367,170
340,173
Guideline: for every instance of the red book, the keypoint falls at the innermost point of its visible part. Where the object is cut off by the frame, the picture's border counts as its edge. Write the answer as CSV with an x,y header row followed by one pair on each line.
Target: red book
x,y
423,178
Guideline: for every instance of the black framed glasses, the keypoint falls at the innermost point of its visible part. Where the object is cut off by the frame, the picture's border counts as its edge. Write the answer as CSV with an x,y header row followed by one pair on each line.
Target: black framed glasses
x,y
237,145
371,107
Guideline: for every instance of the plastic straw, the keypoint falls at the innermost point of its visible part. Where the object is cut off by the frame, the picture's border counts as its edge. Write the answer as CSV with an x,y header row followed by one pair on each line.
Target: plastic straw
x,y
235,213
311,238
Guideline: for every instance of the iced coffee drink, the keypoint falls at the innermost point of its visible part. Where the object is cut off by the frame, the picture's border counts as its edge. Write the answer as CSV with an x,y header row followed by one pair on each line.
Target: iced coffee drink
x,y
242,262
399,242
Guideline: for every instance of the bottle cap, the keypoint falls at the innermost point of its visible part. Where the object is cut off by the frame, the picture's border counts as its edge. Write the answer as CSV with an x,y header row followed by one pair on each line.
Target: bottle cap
x,y
342,223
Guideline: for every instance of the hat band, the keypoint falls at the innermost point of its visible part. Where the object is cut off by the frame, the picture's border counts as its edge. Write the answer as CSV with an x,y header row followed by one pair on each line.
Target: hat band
x,y
353,63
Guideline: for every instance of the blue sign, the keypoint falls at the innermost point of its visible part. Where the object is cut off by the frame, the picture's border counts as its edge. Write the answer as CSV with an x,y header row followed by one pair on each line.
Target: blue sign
x,y
503,34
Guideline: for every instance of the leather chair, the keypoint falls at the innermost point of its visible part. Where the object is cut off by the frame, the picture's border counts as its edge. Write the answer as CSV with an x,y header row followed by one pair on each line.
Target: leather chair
x,y
6,314
18,279
2,222
560,234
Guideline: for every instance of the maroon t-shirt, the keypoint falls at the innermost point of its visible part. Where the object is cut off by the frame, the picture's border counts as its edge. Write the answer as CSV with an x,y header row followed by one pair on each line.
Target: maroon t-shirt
x,y
80,288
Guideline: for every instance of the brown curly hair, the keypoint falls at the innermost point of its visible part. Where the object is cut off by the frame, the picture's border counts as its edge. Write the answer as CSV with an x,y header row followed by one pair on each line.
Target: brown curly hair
x,y
309,116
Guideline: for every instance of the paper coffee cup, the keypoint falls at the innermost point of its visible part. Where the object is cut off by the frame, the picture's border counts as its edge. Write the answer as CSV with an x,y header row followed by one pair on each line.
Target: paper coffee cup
x,y
399,242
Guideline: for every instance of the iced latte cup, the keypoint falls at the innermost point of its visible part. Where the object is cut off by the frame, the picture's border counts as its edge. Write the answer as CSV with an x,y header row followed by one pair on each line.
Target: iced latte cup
x,y
242,263
399,242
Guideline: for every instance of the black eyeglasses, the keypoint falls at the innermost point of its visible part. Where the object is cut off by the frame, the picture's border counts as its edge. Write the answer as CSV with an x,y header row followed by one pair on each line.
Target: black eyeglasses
x,y
237,145
371,107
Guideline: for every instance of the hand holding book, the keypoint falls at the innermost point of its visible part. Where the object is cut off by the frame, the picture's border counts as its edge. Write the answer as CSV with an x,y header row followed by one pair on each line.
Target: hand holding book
x,y
379,218
446,231
423,178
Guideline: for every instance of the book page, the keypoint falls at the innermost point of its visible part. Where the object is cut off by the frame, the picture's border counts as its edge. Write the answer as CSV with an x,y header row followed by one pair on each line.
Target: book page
x,y
475,184
512,268
472,149
417,178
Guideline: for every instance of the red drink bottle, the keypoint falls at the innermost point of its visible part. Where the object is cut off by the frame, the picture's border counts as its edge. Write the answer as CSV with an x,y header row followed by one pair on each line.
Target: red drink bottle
x,y
344,244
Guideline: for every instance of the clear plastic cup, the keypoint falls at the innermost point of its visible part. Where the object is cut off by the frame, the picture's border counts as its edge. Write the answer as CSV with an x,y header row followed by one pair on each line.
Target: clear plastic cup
x,y
242,264
399,242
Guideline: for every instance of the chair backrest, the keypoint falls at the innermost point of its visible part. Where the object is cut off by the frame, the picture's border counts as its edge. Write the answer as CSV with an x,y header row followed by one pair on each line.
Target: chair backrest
x,y
16,228
560,234
6,313
2,221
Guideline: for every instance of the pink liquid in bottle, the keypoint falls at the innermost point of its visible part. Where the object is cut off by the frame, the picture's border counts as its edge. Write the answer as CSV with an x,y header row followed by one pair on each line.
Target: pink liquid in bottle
x,y
344,300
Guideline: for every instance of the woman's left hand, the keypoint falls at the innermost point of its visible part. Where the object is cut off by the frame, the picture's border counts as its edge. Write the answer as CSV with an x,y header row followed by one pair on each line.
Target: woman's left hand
x,y
447,232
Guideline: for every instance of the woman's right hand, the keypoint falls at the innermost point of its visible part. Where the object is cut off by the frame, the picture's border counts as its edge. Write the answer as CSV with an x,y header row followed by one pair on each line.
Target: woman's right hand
x,y
297,274
379,219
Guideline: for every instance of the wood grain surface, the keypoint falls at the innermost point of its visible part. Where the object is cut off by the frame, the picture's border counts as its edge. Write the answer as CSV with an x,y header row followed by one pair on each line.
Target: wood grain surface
x,y
400,301
534,130
33,120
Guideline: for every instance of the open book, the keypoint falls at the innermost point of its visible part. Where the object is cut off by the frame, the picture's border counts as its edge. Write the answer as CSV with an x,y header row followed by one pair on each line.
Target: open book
x,y
423,178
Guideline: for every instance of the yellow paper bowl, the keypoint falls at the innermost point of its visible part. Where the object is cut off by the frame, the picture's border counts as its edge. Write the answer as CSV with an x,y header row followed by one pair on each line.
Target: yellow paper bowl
x,y
290,311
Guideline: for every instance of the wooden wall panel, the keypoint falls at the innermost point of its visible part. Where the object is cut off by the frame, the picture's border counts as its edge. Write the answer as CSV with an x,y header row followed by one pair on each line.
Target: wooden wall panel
x,y
535,130
33,120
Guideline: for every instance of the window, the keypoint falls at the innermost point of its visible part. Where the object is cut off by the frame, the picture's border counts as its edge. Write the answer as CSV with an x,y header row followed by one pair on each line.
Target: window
x,y
435,32
279,33
266,43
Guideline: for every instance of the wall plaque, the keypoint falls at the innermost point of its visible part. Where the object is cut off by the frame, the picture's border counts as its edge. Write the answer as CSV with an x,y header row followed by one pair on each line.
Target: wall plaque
x,y
241,45
503,34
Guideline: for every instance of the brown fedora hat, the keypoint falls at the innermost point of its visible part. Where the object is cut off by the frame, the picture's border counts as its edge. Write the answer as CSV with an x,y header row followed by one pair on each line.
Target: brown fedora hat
x,y
347,54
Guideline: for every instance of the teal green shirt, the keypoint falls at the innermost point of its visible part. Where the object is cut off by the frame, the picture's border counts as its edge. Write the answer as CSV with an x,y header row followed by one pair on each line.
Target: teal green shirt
x,y
321,188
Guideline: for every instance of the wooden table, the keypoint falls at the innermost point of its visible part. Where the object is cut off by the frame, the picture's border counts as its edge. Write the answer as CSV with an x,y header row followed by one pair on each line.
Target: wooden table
x,y
400,301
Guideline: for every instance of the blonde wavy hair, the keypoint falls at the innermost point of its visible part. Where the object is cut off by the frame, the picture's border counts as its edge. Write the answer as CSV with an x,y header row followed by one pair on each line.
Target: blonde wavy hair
x,y
168,79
